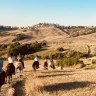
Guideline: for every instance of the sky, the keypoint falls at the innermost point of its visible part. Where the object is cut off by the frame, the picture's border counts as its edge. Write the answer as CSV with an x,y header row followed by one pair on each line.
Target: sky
x,y
63,12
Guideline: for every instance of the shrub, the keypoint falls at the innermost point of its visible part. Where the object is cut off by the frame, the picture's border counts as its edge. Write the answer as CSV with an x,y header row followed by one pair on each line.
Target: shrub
x,y
60,49
70,58
24,49
4,46
29,57
20,37
93,61
44,42
24,30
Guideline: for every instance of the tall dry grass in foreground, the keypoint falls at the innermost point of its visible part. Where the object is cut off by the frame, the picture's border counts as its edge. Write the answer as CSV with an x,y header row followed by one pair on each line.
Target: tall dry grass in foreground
x,y
61,83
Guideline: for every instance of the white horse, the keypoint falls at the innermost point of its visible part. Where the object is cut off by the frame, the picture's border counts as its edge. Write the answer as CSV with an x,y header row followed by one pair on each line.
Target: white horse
x,y
19,68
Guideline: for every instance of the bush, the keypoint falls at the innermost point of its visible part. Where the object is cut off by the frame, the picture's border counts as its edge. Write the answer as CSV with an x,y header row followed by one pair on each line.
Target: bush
x,y
20,37
4,46
44,42
29,57
60,49
24,49
70,58
93,61
24,30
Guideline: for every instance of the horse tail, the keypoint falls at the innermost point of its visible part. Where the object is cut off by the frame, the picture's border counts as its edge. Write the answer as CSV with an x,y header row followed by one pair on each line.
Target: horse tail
x,y
8,69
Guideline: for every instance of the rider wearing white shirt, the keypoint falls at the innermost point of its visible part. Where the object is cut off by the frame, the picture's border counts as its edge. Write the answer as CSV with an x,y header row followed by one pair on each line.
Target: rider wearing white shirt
x,y
11,59
11,65
36,62
36,58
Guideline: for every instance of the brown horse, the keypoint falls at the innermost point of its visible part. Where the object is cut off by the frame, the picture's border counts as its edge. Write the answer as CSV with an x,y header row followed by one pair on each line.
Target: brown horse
x,y
35,65
2,79
45,65
9,71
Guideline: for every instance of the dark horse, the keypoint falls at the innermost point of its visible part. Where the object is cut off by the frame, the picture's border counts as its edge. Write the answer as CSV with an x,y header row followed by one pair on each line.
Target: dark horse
x,y
45,65
35,65
2,78
9,71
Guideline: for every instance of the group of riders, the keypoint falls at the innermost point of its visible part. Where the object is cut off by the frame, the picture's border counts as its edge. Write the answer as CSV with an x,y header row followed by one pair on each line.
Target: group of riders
x,y
10,68
36,63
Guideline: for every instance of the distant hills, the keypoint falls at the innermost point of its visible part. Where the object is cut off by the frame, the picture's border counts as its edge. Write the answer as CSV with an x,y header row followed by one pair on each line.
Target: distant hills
x,y
49,32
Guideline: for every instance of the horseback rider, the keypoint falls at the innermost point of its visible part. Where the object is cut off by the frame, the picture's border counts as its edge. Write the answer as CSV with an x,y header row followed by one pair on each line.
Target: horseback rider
x,y
20,59
11,61
36,62
46,63
51,63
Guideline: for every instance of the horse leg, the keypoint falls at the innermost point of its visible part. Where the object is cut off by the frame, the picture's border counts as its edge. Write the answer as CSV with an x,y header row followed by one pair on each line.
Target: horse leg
x,y
35,69
11,77
16,72
8,79
20,73
5,80
22,70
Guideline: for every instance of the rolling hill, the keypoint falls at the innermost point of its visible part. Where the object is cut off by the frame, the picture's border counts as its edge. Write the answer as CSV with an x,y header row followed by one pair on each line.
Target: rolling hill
x,y
50,34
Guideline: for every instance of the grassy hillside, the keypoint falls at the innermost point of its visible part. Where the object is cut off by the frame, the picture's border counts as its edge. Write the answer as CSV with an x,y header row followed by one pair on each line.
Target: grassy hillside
x,y
71,37
50,34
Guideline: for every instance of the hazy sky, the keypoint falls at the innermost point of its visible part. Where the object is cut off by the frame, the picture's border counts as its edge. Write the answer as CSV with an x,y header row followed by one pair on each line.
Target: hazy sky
x,y
63,12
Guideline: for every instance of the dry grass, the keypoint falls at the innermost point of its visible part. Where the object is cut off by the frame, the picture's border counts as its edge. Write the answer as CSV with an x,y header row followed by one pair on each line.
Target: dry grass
x,y
10,92
61,83
66,82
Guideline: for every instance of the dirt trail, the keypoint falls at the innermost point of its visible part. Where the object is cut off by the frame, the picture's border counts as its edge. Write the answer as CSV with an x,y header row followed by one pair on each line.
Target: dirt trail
x,y
27,69
5,87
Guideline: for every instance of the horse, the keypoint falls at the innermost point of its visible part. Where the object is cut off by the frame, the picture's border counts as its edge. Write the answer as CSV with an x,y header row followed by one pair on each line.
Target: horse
x,y
2,79
9,71
35,65
19,65
45,65
51,64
